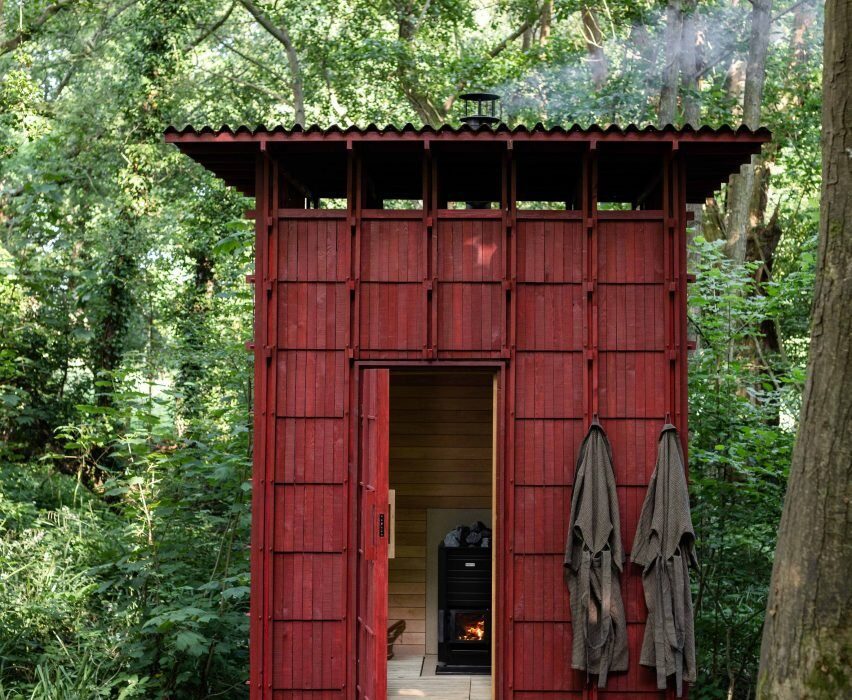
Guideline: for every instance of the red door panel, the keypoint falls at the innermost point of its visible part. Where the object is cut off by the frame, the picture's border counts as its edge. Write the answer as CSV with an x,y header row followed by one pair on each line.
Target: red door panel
x,y
373,533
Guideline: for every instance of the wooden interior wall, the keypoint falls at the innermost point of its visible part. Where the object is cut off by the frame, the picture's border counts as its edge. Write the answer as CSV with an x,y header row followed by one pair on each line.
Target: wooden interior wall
x,y
440,457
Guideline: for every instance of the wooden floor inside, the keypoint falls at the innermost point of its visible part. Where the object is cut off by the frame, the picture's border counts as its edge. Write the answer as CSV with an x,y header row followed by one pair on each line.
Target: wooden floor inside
x,y
414,677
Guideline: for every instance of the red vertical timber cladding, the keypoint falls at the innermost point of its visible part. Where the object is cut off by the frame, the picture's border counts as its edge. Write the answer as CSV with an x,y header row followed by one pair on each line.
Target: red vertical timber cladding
x,y
470,275
392,295
548,428
632,381
506,284
309,570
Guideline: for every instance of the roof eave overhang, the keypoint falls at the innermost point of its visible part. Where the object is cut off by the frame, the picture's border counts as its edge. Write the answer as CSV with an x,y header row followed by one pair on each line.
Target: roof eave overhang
x,y
230,154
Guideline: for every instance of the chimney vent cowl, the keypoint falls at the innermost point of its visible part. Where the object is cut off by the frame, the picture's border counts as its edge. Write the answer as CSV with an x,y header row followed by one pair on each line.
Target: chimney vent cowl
x,y
481,108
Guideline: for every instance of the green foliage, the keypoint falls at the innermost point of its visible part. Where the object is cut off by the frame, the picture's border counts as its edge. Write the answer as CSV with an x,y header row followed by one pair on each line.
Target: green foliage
x,y
124,386
743,418
140,588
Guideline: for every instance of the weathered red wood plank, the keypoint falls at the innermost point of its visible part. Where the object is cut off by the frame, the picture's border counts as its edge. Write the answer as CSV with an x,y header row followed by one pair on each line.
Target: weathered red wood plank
x,y
546,451
469,317
541,595
563,249
392,251
310,450
313,250
307,586
632,384
311,383
393,316
307,518
617,238
548,385
312,316
296,663
531,638
551,317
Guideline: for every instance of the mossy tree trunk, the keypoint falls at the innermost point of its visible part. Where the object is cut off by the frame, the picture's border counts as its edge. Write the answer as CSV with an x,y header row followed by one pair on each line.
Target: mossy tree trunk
x,y
807,637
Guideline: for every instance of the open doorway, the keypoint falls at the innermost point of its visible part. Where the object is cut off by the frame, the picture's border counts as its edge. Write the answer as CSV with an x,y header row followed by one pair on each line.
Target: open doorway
x,y
441,550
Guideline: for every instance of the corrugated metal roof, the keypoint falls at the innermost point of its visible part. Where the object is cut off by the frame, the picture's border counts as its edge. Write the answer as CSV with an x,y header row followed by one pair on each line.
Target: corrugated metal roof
x,y
521,130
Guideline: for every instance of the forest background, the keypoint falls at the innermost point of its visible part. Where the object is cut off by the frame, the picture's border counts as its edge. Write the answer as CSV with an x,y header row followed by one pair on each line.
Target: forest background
x,y
125,387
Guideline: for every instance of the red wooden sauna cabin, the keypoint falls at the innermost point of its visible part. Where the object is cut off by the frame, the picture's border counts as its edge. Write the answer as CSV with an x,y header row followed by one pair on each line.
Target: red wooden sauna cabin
x,y
440,313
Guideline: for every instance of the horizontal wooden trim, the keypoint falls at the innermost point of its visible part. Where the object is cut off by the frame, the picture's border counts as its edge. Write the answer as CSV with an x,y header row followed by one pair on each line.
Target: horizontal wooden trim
x,y
413,639
312,213
449,501
414,438
548,215
410,390
401,600
448,477
407,613
440,452
413,626
441,490
630,215
406,214
469,213
442,428
406,575
444,466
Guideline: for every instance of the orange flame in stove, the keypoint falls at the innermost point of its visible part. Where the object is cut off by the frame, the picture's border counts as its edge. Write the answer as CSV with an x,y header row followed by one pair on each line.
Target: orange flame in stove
x,y
473,631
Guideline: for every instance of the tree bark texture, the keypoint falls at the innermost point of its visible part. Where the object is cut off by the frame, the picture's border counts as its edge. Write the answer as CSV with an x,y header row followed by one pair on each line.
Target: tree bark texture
x,y
741,188
807,636
594,46
282,35
671,67
689,66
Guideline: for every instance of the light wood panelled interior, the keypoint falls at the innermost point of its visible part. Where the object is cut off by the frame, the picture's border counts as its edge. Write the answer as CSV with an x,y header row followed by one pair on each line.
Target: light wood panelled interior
x,y
441,453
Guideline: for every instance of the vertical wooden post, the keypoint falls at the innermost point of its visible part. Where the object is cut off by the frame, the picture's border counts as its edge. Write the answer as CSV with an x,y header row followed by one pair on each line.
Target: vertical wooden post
x,y
257,629
504,681
350,423
430,274
270,361
590,279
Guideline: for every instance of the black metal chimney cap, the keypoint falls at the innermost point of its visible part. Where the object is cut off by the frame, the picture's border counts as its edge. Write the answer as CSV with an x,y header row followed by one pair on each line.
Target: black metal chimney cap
x,y
480,96
485,108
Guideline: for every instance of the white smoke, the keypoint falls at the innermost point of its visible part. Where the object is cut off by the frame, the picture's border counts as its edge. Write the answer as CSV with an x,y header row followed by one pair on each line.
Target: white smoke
x,y
565,93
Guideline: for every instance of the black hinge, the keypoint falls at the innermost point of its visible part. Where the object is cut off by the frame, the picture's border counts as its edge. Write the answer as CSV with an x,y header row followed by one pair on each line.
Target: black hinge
x,y
381,524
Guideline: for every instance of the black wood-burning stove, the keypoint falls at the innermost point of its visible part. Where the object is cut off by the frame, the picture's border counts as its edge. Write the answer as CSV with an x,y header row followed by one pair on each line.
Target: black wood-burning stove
x,y
464,610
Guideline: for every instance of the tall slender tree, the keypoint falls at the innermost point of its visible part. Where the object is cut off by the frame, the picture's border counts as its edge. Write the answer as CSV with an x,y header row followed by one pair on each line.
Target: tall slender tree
x,y
807,636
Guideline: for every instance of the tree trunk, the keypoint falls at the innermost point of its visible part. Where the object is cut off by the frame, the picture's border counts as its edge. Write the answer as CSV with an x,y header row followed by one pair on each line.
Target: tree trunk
x,y
741,187
282,35
671,68
807,636
193,330
545,22
594,46
689,66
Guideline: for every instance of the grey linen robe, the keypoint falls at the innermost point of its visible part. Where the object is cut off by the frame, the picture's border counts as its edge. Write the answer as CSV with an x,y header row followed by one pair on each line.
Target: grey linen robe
x,y
594,560
664,548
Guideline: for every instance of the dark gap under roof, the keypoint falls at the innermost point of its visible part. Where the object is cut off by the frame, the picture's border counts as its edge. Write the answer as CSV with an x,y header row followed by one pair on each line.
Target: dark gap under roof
x,y
711,154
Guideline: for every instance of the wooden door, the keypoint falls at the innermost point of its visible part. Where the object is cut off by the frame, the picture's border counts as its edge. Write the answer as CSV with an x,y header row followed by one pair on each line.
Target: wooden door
x,y
373,534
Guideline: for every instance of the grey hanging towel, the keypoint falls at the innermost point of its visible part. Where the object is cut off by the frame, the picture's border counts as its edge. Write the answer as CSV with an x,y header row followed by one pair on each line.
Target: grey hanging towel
x,y
593,562
664,548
